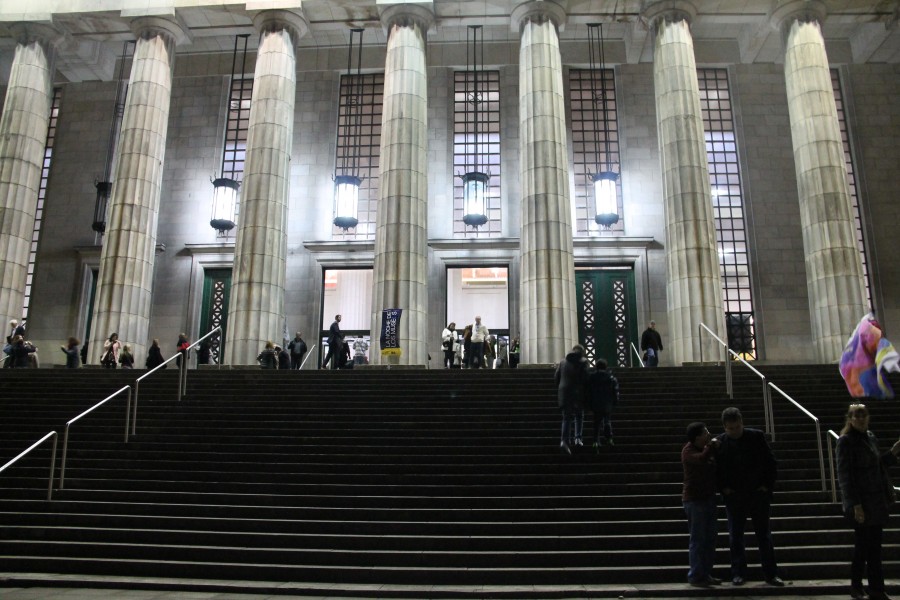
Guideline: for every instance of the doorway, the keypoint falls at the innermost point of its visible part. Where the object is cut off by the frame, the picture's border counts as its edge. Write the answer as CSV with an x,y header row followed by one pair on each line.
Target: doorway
x,y
607,314
214,309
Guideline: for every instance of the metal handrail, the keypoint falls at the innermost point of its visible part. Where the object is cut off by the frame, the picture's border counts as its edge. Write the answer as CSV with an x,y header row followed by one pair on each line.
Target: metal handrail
x,y
636,353
828,436
52,460
305,358
818,430
182,377
182,388
729,381
137,387
62,469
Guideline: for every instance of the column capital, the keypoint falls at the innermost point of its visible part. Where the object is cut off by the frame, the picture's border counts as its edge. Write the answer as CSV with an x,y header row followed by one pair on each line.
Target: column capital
x,y
293,21
805,11
405,15
152,26
655,11
539,11
27,32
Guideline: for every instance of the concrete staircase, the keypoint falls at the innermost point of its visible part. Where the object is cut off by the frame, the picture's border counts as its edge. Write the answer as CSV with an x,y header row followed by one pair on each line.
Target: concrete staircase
x,y
449,481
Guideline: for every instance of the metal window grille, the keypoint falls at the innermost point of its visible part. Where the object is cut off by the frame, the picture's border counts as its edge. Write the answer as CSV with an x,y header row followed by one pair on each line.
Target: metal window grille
x,y
42,194
487,151
851,179
593,132
728,204
359,133
236,127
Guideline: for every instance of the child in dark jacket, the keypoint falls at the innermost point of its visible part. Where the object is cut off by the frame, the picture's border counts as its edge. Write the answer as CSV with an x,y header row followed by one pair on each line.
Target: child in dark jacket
x,y
603,395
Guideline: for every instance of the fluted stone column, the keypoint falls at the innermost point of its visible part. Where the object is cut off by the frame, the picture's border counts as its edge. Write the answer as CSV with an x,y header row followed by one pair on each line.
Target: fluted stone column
x,y
256,308
400,278
548,311
834,274
23,136
693,284
125,284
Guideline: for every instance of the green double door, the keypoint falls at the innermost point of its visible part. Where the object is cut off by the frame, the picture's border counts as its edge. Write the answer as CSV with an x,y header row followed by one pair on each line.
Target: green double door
x,y
607,314
214,310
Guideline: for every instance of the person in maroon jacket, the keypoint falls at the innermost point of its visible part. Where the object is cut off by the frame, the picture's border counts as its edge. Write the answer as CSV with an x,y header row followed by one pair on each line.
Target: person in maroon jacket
x,y
698,459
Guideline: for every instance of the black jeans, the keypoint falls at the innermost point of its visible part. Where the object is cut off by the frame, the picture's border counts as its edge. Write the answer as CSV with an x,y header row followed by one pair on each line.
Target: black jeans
x,y
758,508
867,552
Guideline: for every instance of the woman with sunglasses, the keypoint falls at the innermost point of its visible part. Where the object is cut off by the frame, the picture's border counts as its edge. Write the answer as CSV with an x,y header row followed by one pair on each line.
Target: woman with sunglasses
x,y
867,494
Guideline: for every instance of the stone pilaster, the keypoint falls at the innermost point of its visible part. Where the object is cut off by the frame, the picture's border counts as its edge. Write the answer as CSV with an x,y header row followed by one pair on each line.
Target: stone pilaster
x,y
693,284
548,313
23,137
256,308
401,234
125,284
834,275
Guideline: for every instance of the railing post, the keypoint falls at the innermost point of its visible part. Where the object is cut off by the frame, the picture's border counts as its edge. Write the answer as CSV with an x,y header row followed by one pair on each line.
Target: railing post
x,y
181,377
821,458
137,392
729,383
127,414
828,436
767,409
52,467
62,466
700,340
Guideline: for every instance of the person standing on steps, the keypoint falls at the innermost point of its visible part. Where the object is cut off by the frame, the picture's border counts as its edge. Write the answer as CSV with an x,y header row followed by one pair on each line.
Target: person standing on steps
x,y
746,475
867,494
154,356
298,351
698,460
111,349
284,358
480,335
448,344
651,344
603,395
268,358
335,344
570,377
71,350
181,346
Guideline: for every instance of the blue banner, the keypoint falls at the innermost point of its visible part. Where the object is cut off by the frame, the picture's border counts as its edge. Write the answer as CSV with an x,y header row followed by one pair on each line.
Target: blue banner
x,y
390,331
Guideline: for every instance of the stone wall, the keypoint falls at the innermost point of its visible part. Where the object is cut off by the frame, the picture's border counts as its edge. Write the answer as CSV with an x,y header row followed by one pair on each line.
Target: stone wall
x,y
193,156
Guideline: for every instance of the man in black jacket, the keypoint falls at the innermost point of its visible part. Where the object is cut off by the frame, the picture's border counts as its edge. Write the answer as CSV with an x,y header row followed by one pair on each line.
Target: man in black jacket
x,y
746,473
651,344
335,343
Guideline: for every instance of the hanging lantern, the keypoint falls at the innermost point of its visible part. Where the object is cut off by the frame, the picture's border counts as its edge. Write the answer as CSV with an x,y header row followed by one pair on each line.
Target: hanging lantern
x,y
346,200
604,182
605,201
475,181
104,190
104,187
225,193
475,187
347,180
225,189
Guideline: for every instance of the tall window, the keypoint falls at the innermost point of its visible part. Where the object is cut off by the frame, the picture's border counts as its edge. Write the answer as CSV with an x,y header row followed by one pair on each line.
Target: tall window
x,y
851,179
486,153
42,194
595,142
359,134
236,127
728,204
